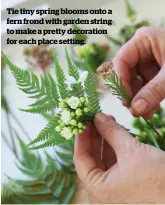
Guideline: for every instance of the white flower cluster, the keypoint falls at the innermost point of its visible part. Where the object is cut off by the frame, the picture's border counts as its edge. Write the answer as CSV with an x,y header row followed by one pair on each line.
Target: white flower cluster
x,y
73,111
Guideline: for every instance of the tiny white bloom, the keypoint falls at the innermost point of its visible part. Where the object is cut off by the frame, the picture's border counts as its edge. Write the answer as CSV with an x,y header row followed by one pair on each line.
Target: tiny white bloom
x,y
83,77
65,116
66,133
74,102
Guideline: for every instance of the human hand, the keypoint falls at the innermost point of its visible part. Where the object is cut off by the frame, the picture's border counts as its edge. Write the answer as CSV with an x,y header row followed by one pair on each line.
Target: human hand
x,y
143,55
130,172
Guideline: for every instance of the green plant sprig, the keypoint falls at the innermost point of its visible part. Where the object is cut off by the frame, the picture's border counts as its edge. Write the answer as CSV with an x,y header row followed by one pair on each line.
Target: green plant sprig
x,y
118,89
115,83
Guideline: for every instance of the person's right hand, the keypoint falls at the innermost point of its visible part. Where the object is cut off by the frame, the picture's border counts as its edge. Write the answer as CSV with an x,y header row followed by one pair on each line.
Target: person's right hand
x,y
143,55
129,172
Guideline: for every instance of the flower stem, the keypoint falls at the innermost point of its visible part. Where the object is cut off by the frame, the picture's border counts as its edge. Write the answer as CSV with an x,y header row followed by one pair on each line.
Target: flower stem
x,y
152,135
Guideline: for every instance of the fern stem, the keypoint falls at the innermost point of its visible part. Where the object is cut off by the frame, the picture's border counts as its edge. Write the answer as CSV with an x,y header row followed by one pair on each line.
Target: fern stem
x,y
11,134
20,125
7,143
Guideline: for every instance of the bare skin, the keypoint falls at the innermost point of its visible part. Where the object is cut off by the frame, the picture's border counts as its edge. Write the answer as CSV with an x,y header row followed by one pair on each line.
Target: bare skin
x,y
130,172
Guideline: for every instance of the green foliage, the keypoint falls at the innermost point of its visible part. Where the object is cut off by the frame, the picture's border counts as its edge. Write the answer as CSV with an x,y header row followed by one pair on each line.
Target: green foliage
x,y
94,53
60,78
115,83
49,93
8,194
91,92
79,36
47,184
130,11
128,30
117,87
146,135
64,155
36,87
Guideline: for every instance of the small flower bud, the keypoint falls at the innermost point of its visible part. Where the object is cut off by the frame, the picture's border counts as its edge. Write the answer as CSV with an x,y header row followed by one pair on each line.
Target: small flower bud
x,y
84,127
86,110
80,131
105,67
80,125
62,124
73,122
58,129
63,104
82,99
72,114
75,132
78,112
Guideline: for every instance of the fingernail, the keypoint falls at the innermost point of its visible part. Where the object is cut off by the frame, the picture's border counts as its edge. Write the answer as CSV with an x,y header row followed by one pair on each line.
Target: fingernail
x,y
140,106
101,118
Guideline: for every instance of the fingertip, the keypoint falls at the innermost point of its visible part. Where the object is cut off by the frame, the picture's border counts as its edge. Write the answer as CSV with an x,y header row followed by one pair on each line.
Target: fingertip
x,y
148,116
101,118
139,107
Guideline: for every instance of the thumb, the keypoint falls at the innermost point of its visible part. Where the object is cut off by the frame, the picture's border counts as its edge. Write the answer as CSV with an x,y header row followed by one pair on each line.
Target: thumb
x,y
150,95
115,134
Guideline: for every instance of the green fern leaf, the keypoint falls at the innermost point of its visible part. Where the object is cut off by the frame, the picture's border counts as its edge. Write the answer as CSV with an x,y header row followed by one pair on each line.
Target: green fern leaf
x,y
52,141
43,87
61,182
27,81
64,155
60,78
68,194
91,91
53,90
41,108
47,131
71,68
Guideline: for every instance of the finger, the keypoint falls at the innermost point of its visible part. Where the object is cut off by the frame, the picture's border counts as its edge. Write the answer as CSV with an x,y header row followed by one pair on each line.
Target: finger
x,y
150,95
84,160
136,50
96,147
148,70
148,116
113,133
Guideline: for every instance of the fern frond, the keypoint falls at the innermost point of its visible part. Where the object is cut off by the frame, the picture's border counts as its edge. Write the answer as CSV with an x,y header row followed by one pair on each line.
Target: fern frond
x,y
53,90
64,155
68,194
91,91
61,80
47,131
28,82
54,139
41,108
71,68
